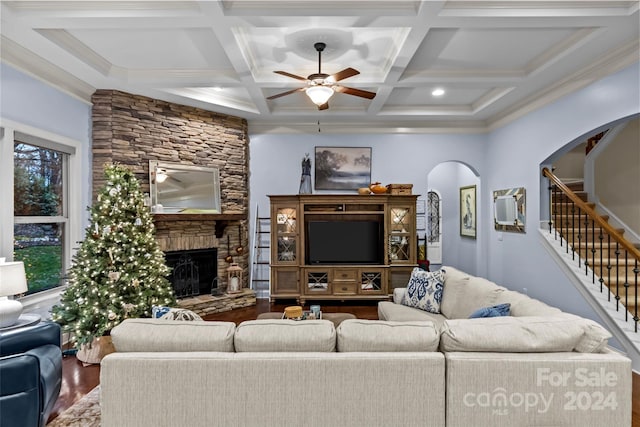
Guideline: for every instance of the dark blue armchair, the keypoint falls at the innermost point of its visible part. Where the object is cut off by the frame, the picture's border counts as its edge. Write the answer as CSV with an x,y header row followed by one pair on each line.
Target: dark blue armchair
x,y
30,374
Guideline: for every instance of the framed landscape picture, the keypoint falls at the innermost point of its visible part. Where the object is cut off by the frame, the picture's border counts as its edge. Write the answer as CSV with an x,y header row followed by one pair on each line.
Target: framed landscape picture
x,y
342,168
468,211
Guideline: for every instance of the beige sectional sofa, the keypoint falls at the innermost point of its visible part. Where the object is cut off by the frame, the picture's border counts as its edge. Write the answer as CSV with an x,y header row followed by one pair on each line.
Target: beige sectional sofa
x,y
537,367
282,373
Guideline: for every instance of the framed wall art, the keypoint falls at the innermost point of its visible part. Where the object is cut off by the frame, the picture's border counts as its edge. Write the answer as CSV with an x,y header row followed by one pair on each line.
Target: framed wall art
x,y
342,168
468,211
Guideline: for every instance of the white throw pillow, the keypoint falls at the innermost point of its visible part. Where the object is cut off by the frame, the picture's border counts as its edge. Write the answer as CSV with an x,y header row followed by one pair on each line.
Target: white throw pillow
x,y
424,290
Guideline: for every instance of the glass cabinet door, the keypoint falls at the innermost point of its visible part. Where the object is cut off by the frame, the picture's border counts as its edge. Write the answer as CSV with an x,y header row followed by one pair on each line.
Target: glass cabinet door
x,y
371,281
401,221
317,282
286,235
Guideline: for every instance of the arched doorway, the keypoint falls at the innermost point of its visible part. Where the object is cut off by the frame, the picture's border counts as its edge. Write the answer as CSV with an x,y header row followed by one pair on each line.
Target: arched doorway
x,y
446,245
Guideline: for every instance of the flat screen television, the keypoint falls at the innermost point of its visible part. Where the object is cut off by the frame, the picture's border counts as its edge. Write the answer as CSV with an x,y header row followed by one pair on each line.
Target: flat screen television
x,y
344,242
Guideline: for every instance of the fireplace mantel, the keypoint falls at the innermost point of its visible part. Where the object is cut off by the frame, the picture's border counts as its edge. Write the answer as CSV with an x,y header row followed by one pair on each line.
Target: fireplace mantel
x,y
221,220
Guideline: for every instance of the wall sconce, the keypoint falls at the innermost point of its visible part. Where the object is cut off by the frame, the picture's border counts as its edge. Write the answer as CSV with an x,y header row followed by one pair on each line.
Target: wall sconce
x,y
234,279
13,281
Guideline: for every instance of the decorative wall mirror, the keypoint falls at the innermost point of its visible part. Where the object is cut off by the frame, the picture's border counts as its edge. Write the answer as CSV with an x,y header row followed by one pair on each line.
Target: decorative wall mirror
x,y
184,189
509,209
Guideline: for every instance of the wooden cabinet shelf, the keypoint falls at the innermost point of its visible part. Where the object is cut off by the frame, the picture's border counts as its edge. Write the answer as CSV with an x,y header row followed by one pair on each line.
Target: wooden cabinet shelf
x,y
294,276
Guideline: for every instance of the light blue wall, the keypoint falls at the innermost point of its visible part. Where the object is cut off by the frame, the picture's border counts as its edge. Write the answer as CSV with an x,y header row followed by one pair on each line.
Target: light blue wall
x,y
514,157
34,103
396,158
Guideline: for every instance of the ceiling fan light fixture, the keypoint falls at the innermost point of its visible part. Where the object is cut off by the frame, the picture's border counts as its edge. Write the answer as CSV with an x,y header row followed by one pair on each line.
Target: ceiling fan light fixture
x,y
319,95
161,175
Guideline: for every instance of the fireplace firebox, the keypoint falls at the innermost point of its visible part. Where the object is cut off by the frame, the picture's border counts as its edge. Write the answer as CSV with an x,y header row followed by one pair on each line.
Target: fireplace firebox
x,y
193,272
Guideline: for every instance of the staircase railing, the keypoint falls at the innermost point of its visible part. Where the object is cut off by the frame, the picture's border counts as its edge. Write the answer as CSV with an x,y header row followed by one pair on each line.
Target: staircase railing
x,y
592,241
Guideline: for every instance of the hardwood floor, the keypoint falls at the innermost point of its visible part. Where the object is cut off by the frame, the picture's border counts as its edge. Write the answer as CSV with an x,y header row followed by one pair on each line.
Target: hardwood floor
x,y
78,380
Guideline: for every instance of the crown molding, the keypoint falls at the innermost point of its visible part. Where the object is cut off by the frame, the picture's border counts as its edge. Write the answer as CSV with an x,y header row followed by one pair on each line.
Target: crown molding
x,y
43,70
613,62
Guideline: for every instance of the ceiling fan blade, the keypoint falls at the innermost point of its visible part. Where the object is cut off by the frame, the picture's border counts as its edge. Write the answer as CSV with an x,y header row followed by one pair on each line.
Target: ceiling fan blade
x,y
324,106
357,92
278,95
344,74
293,76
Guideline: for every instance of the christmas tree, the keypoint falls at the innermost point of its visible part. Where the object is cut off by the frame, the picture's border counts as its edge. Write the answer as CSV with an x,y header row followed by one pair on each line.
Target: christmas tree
x,y
119,271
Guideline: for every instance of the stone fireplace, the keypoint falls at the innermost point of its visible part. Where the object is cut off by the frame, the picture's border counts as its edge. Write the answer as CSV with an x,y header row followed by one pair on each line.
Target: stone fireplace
x,y
131,130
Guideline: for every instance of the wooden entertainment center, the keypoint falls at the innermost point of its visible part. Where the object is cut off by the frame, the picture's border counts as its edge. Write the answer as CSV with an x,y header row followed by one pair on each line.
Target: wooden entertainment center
x,y
301,265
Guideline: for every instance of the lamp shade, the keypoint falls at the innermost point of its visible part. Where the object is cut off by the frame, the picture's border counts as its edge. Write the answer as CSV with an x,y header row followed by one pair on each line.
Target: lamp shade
x,y
319,94
13,280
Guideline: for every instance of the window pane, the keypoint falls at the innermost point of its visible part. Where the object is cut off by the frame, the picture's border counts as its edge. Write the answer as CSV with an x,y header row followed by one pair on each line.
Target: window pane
x,y
39,246
37,181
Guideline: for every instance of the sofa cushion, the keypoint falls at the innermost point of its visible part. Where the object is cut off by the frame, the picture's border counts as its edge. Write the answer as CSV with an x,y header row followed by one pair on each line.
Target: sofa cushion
x,y
493,311
285,335
424,290
397,312
463,294
595,337
518,335
523,305
148,335
380,336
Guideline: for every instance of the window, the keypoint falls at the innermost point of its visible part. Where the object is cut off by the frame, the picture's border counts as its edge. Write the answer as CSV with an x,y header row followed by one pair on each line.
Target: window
x,y
434,227
433,216
40,213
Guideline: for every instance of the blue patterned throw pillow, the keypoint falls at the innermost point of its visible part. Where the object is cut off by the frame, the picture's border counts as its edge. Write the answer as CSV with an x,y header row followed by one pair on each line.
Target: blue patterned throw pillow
x,y
169,313
424,290
495,311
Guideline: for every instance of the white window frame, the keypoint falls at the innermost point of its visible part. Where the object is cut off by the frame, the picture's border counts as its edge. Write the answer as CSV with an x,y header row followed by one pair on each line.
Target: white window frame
x,y
10,133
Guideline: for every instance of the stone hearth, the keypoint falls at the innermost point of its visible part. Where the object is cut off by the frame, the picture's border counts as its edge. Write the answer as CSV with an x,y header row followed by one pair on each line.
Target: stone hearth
x,y
208,304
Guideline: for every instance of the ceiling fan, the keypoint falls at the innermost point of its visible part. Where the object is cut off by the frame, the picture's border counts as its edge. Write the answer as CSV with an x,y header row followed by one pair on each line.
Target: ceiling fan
x,y
320,86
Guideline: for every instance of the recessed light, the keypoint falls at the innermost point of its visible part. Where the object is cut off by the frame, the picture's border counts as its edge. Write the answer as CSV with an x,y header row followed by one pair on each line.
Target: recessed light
x,y
437,92
217,88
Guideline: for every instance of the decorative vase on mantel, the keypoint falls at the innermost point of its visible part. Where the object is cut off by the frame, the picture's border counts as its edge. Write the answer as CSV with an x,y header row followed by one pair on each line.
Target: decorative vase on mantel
x,y
93,354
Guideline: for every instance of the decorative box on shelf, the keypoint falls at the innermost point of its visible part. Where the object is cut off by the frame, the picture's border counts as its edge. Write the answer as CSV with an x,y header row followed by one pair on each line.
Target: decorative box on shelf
x,y
399,189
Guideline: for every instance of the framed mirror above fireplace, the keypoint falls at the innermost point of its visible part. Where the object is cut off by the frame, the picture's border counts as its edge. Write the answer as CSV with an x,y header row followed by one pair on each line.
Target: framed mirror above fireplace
x,y
183,189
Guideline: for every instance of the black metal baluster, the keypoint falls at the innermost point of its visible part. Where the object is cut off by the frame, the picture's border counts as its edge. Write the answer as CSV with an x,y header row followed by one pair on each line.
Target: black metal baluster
x,y
602,266
626,286
593,260
609,268
552,211
636,270
617,276
579,237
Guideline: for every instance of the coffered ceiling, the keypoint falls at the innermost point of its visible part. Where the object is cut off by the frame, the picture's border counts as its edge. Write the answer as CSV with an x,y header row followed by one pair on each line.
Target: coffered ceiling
x,y
495,60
